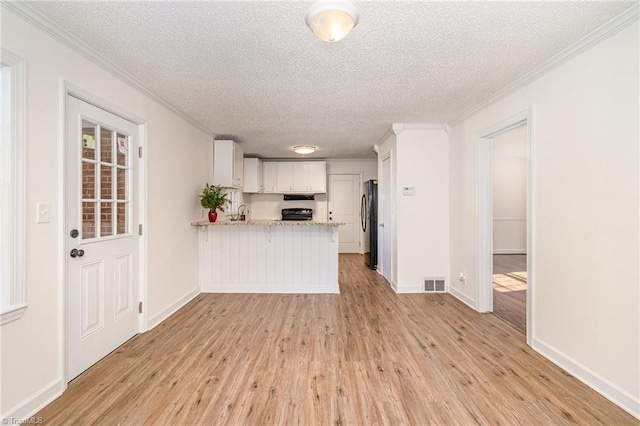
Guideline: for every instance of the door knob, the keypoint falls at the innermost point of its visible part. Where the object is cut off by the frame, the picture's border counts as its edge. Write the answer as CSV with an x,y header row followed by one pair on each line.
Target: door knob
x,y
73,233
382,225
76,253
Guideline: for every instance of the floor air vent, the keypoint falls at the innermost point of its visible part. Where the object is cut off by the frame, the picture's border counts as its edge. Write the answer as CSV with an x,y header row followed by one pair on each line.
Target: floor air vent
x,y
434,285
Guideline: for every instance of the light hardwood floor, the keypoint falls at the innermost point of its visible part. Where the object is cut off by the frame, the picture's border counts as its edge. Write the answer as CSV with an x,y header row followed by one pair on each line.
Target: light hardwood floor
x,y
367,356
510,289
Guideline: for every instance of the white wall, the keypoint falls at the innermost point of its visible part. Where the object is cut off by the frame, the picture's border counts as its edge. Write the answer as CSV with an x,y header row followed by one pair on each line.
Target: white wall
x,y
423,218
32,347
419,222
367,167
269,206
586,310
509,151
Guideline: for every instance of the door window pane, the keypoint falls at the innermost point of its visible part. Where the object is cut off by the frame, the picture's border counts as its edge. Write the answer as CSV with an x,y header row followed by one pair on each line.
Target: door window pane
x,y
88,140
106,219
122,218
121,184
106,183
122,152
88,220
106,145
106,180
88,180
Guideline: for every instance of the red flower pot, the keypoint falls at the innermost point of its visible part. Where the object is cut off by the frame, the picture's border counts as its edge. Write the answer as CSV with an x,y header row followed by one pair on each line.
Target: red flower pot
x,y
213,215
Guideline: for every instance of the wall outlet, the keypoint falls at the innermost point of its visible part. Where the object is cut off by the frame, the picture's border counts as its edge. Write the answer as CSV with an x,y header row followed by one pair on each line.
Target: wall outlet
x,y
461,277
409,190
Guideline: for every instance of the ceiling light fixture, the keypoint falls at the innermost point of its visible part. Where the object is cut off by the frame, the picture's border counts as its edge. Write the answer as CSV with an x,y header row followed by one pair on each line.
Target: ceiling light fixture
x,y
304,149
332,20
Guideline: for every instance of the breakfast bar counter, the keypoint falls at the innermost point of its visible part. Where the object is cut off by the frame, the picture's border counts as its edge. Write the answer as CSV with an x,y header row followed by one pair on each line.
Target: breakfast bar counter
x,y
268,256
266,223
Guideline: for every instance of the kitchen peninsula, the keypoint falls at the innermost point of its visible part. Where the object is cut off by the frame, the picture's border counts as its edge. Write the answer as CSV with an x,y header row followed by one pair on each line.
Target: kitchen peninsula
x,y
268,256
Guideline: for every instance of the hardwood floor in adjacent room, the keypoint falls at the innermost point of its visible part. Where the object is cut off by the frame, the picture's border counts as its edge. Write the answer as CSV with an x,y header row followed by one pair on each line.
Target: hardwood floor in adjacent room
x,y
510,289
366,356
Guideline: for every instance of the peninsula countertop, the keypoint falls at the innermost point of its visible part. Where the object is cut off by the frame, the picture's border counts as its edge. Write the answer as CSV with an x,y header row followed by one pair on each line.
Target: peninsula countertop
x,y
265,223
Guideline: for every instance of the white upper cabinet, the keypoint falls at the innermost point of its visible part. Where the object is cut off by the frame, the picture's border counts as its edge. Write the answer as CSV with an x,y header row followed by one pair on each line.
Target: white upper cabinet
x,y
228,164
317,172
285,177
302,177
270,177
253,175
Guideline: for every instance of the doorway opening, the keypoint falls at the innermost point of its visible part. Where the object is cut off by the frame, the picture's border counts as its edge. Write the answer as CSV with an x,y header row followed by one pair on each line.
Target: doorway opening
x,y
510,289
505,221
509,169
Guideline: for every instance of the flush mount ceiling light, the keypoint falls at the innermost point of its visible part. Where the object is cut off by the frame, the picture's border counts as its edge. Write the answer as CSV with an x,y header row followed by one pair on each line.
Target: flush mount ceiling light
x,y
304,149
332,20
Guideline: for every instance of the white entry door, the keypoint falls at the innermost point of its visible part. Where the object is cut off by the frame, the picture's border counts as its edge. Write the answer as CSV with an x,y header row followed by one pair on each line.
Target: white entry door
x,y
101,234
344,206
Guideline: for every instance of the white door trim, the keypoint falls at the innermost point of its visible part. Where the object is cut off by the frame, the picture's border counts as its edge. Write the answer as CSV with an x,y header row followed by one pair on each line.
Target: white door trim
x,y
382,268
70,89
484,214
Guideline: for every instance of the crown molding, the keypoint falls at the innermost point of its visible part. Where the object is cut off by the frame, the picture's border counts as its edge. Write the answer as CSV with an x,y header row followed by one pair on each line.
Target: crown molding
x,y
37,19
397,128
608,29
384,137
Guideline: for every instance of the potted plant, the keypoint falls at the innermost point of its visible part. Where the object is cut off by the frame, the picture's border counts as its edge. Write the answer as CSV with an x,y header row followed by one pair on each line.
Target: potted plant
x,y
213,198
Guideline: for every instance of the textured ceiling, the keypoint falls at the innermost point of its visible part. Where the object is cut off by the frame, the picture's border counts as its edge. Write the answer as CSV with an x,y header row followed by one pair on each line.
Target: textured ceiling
x,y
253,71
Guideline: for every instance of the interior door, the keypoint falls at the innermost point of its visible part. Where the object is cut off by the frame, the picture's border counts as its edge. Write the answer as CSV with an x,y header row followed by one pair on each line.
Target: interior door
x,y
384,224
101,234
344,206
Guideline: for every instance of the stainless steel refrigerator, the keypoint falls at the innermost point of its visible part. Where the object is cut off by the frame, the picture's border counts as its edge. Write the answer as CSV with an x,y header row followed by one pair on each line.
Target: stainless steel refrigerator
x,y
369,222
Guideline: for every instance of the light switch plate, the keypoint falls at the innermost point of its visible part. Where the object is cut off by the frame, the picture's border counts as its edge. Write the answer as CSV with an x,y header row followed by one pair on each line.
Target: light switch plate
x,y
43,212
409,190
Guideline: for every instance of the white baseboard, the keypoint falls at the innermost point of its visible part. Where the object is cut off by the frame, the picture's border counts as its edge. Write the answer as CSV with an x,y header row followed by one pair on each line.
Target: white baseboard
x,y
620,397
326,288
463,298
509,251
171,309
408,289
393,285
33,404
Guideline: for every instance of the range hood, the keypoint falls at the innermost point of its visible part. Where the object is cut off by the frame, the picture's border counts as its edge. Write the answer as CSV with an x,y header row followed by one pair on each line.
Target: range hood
x,y
299,197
